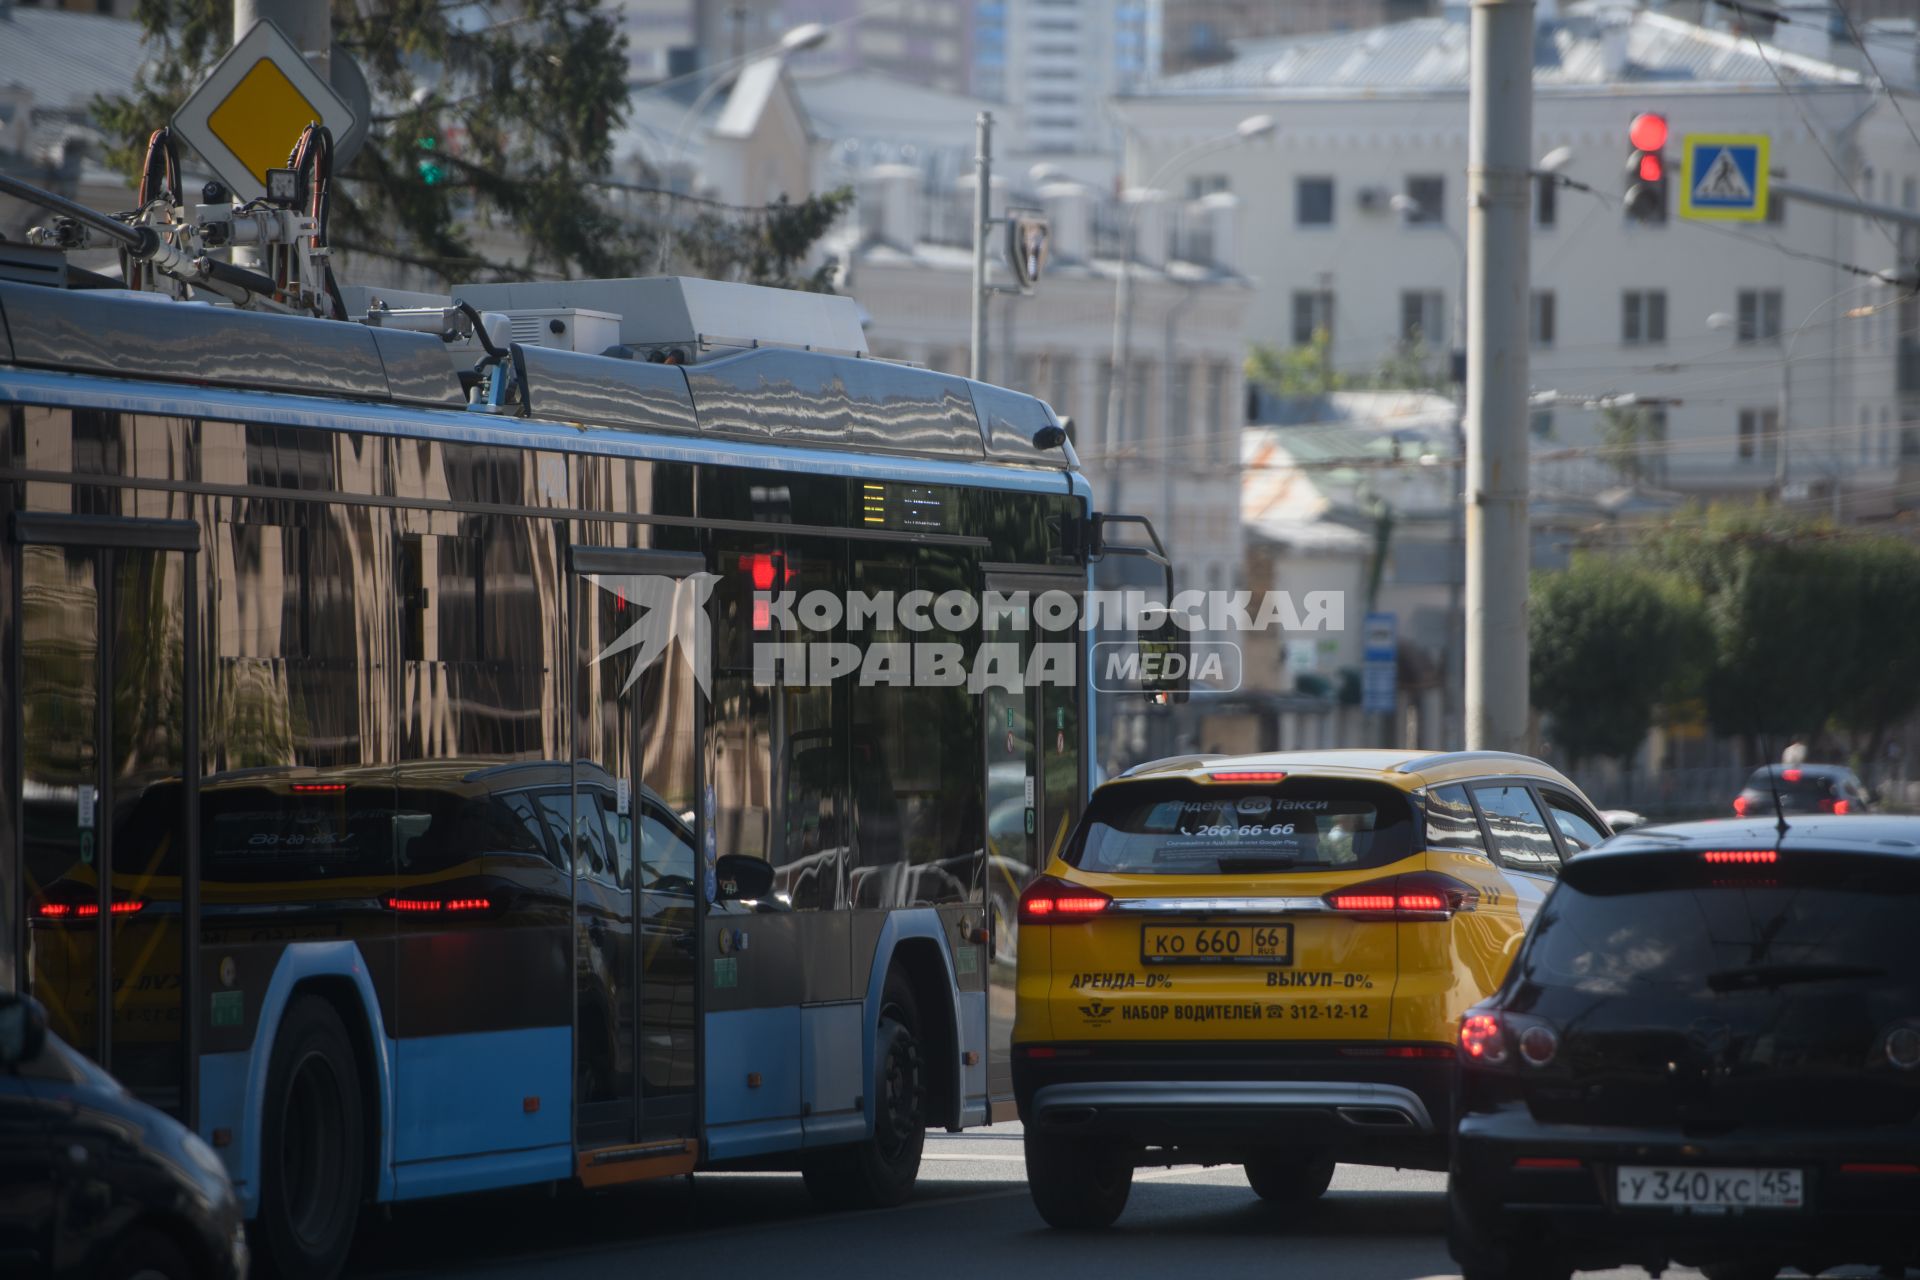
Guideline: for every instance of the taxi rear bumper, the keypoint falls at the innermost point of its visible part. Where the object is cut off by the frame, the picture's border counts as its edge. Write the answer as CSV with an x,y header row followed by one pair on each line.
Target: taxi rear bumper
x,y
1231,1106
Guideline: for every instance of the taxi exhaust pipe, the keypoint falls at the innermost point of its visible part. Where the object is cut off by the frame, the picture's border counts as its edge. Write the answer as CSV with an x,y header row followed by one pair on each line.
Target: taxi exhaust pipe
x,y
1376,1117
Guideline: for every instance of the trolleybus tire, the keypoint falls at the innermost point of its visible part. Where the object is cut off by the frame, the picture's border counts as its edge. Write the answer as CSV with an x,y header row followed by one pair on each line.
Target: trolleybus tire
x,y
147,1255
880,1172
1290,1177
312,1165
1078,1185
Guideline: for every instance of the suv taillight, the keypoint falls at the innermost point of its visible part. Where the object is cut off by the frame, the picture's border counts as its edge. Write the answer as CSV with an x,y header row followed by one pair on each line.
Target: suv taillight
x,y
1050,900
1416,895
1498,1039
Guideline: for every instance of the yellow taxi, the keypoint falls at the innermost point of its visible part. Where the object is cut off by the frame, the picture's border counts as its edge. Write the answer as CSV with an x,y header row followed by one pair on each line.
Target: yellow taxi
x,y
1263,961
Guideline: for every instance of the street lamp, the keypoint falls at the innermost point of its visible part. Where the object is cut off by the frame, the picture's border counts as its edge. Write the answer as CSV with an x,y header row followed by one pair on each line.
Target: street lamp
x,y
1252,127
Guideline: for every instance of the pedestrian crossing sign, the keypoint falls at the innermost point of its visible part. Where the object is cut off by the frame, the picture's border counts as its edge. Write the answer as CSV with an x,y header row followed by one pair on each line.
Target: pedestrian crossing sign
x,y
1724,176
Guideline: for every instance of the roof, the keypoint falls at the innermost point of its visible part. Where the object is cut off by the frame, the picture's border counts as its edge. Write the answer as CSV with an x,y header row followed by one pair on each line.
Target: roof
x,y
1407,769
1861,833
1431,53
751,97
64,59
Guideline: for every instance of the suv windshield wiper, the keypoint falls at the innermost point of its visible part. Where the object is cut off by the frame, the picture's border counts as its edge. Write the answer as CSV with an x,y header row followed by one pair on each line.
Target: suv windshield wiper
x,y
1754,976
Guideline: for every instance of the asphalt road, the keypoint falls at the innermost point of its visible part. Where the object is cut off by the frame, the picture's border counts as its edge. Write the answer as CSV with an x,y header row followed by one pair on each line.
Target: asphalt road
x,y
971,1218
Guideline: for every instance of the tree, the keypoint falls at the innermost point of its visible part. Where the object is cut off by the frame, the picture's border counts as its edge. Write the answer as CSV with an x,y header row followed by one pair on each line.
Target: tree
x,y
1298,371
502,117
1610,642
1624,436
1880,675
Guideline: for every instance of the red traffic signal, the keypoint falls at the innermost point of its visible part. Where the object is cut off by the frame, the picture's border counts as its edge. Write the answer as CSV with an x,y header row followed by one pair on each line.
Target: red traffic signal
x,y
1648,132
1651,168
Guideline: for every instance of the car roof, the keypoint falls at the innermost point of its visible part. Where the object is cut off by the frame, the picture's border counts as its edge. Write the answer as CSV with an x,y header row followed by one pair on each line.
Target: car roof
x,y
1863,833
1408,768
1822,770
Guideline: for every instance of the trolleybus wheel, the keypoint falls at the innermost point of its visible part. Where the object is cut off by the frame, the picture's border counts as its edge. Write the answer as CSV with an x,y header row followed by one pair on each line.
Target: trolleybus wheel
x,y
311,1159
881,1171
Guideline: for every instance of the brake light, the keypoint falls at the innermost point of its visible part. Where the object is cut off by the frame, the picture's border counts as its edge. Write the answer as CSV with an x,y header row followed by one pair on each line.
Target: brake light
x,y
318,788
1546,1162
1740,806
766,570
430,906
1416,894
1482,1040
1397,1051
1745,857
1843,806
1792,775
88,910
1249,775
1049,900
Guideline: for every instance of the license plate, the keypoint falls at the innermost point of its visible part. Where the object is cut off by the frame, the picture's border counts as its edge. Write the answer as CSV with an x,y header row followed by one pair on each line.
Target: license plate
x,y
1710,1190
1249,941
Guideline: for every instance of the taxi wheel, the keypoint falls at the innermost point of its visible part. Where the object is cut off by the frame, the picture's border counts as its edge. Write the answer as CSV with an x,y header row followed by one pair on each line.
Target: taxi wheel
x,y
1076,1185
1289,1178
880,1172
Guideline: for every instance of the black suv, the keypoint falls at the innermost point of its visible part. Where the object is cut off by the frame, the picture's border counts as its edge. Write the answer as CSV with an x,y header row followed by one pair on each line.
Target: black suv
x,y
1707,1053
1802,788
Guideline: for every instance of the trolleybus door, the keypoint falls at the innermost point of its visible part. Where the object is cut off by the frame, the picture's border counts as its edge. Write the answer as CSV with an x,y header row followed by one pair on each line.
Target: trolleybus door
x,y
107,721
638,886
1036,780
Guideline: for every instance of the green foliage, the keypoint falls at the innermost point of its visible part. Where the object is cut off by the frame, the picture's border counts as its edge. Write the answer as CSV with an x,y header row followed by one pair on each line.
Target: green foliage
x,y
1626,435
1810,626
1610,642
532,98
767,249
1299,371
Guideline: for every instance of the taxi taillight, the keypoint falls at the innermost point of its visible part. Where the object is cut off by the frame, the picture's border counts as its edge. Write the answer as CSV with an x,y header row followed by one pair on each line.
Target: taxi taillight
x,y
1416,895
1050,900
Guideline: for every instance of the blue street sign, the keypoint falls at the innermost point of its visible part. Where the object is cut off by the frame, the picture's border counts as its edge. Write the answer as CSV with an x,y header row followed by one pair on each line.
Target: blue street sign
x,y
1380,664
1723,177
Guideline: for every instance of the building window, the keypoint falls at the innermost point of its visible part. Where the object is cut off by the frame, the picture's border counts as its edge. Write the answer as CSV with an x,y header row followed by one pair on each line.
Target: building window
x,y
1313,202
1643,317
1759,430
1654,440
1542,424
1540,320
1909,443
1428,192
1219,430
1423,319
1759,315
1202,185
1546,201
1312,312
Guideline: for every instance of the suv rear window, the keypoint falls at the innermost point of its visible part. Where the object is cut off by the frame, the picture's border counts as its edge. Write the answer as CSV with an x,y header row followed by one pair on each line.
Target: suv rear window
x,y
1694,930
1796,785
1179,827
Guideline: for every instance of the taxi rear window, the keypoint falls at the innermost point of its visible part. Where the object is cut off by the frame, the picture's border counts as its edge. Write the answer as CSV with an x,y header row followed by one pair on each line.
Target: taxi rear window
x,y
1180,827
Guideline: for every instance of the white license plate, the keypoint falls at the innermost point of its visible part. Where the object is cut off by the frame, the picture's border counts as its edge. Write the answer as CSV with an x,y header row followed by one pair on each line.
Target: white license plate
x,y
1711,1190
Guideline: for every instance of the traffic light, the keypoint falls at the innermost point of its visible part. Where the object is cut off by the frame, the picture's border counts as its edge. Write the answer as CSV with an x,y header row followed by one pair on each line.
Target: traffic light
x,y
433,170
1646,198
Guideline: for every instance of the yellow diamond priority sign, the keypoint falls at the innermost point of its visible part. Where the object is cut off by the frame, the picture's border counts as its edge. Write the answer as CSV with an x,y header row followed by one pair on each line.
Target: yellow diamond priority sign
x,y
247,115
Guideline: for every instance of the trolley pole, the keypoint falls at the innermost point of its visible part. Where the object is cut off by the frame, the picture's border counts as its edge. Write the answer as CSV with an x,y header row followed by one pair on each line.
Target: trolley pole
x,y
982,213
1499,161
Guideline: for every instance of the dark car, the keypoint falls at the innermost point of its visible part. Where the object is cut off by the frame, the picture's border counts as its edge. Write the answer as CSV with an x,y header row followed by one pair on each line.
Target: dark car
x,y
96,1183
1707,1053
1803,788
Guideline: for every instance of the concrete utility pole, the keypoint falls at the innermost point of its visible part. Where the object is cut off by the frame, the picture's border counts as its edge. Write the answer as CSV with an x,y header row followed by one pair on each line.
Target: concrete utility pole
x,y
982,214
1499,168
308,23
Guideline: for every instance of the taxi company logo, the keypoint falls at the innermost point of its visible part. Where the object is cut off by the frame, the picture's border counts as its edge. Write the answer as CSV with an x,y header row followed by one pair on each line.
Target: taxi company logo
x,y
663,611
1097,1014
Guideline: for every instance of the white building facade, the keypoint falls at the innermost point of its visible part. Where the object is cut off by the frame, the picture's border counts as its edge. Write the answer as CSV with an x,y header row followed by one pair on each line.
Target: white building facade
x,y
1703,317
